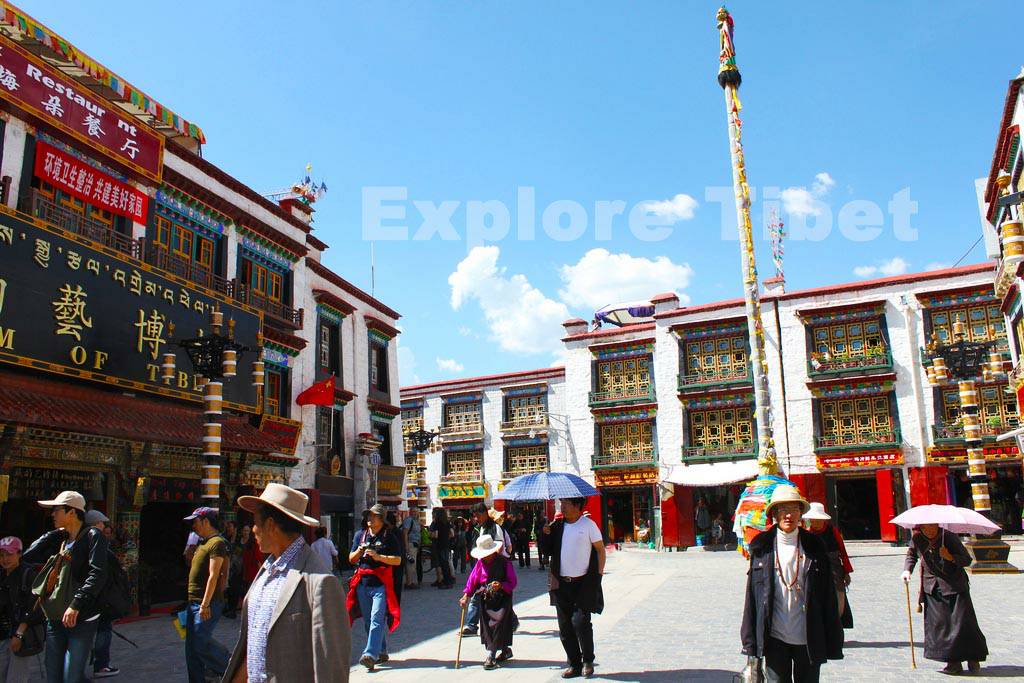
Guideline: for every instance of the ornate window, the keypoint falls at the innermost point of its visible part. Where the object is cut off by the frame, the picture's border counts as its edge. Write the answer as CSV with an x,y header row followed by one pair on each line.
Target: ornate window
x,y
712,359
856,421
463,466
463,417
412,421
983,322
624,378
997,408
722,429
625,443
526,410
526,460
856,338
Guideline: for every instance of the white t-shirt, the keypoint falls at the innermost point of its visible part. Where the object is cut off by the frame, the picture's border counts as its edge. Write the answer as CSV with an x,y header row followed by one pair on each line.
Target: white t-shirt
x,y
577,540
325,548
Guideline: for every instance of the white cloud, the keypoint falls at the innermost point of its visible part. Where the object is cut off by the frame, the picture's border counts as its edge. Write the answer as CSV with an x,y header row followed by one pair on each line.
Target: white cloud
x,y
519,316
601,278
823,182
407,366
894,266
449,365
679,208
936,265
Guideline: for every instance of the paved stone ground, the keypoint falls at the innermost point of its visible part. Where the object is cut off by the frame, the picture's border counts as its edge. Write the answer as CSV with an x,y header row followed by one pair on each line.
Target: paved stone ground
x,y
670,617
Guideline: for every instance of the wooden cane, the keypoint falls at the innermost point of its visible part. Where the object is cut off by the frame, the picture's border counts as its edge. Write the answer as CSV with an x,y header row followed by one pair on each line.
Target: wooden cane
x,y
910,623
462,623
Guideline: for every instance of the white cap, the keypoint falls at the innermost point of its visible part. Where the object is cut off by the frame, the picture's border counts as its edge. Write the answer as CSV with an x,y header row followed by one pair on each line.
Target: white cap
x,y
72,499
95,517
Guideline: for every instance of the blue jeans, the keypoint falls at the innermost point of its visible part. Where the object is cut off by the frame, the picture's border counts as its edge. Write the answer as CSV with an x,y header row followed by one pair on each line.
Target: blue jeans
x,y
101,649
373,603
67,650
473,614
203,654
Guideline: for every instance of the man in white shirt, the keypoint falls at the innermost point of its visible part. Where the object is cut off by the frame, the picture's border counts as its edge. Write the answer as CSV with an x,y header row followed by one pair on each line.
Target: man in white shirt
x,y
325,549
577,553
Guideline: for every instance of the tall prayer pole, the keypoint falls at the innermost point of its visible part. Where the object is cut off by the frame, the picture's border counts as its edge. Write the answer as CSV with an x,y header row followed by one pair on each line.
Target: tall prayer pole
x,y
729,79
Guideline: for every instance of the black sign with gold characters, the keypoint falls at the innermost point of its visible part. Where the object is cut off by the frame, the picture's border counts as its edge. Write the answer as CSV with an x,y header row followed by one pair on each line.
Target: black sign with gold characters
x,y
73,307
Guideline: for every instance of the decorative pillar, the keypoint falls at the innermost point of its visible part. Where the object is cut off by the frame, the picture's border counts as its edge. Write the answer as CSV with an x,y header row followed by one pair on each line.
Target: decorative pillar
x,y
365,480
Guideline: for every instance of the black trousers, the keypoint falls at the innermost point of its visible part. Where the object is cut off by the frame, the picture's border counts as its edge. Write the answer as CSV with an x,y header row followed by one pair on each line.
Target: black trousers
x,y
574,627
785,663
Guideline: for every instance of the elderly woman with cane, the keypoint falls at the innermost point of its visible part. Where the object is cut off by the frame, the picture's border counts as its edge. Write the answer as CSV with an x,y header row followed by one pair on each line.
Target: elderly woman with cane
x,y
951,631
491,583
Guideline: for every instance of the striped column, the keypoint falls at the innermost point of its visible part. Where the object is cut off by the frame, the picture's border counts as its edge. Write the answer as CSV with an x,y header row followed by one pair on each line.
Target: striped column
x,y
213,397
972,438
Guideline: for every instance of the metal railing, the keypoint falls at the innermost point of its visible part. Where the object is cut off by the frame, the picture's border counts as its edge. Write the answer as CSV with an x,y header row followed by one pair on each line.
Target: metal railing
x,y
989,430
622,395
286,314
462,478
54,213
712,377
537,422
471,429
874,358
520,471
881,438
186,268
647,456
733,451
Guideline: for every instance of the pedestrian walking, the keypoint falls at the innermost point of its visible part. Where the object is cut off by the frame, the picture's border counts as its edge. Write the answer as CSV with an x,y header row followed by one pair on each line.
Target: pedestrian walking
x,y
292,626
325,549
252,558
70,583
577,553
233,591
539,522
521,539
101,667
951,630
790,613
21,624
398,571
819,523
441,538
459,553
410,530
371,594
204,655
485,523
491,584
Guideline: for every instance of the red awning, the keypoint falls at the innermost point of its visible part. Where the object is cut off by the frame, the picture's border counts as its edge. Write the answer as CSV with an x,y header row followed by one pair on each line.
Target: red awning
x,y
42,402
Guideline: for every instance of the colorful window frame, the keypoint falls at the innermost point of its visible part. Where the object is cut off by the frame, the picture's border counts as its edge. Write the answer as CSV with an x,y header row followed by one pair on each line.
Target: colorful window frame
x,y
713,429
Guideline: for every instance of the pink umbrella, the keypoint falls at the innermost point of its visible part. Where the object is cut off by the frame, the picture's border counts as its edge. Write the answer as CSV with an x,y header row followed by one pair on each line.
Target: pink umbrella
x,y
949,517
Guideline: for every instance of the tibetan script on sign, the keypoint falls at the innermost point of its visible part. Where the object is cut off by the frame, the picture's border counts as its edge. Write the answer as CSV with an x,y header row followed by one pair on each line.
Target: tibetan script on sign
x,y
36,86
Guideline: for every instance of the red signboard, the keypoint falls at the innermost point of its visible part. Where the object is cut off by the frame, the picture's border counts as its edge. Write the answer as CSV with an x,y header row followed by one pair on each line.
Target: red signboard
x,y
286,432
34,85
888,459
81,180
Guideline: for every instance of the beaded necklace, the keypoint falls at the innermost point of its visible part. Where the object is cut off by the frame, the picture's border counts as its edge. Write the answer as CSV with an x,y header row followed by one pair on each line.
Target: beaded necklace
x,y
789,584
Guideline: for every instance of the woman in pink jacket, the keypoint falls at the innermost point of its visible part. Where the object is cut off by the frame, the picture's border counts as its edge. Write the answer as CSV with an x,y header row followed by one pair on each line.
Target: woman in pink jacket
x,y
491,582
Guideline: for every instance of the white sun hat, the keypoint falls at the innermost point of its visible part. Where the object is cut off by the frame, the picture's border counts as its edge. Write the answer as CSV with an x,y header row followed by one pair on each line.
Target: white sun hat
x,y
485,545
817,511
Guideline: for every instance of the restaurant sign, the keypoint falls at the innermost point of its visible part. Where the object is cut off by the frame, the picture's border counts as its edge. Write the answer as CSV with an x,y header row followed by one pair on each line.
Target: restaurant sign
x,y
75,308
624,477
883,459
34,85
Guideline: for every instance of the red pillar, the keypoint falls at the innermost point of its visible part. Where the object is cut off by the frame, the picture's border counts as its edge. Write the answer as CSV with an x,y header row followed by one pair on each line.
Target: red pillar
x,y
684,506
928,485
499,504
886,504
593,506
812,485
670,520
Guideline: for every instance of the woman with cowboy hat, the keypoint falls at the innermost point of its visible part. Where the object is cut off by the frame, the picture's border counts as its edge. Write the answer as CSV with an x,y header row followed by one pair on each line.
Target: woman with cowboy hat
x,y
790,617
491,583
819,522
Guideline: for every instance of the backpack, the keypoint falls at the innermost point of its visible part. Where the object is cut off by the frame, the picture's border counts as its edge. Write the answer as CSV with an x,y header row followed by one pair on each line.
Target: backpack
x,y
116,599
424,536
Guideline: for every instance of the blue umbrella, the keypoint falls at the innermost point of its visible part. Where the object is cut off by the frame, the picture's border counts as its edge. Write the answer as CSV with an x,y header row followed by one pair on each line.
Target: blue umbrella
x,y
546,486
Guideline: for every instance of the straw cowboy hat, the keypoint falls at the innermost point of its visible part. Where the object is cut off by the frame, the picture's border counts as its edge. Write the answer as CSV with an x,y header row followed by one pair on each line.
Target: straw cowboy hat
x,y
784,493
284,498
817,511
497,515
485,545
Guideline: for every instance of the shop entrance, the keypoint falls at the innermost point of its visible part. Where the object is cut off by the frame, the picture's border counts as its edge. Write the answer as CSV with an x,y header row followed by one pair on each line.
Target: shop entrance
x,y
855,502
162,536
711,503
627,512
1005,491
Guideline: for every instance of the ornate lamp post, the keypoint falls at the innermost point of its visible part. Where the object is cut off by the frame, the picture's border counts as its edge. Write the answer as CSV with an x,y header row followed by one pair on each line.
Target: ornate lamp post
x,y
729,79
966,361
421,440
214,358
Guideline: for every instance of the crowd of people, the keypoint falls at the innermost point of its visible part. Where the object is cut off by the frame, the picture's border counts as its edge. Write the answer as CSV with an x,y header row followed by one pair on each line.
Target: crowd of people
x,y
60,597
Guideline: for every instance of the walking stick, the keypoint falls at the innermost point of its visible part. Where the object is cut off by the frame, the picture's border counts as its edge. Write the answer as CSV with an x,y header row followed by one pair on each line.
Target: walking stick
x,y
462,623
910,623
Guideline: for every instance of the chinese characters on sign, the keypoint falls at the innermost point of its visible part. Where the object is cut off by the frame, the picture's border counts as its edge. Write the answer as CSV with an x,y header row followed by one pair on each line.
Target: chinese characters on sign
x,y
888,459
81,180
636,477
39,88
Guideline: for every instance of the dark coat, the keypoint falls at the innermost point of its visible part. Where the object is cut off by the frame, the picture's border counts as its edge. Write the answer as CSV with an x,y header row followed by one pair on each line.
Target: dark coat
x,y
824,631
591,596
17,600
949,576
88,565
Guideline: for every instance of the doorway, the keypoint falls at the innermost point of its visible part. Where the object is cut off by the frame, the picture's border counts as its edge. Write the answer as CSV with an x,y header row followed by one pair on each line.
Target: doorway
x,y
162,536
626,510
855,502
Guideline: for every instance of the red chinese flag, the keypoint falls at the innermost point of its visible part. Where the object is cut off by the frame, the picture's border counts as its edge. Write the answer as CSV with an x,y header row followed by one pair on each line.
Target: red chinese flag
x,y
320,394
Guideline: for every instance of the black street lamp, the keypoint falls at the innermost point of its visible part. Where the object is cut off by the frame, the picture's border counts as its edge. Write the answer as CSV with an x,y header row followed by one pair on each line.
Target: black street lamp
x,y
421,440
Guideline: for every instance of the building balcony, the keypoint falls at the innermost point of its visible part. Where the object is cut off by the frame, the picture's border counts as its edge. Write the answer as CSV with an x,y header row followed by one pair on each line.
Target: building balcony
x,y
954,433
187,268
290,317
536,423
742,450
713,379
56,214
867,361
838,442
462,432
647,457
623,396
470,477
520,471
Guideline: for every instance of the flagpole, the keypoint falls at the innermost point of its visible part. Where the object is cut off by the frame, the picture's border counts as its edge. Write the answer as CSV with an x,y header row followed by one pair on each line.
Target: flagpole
x,y
729,79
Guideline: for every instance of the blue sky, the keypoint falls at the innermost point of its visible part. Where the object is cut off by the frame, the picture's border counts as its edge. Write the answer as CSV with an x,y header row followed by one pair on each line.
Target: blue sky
x,y
583,102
